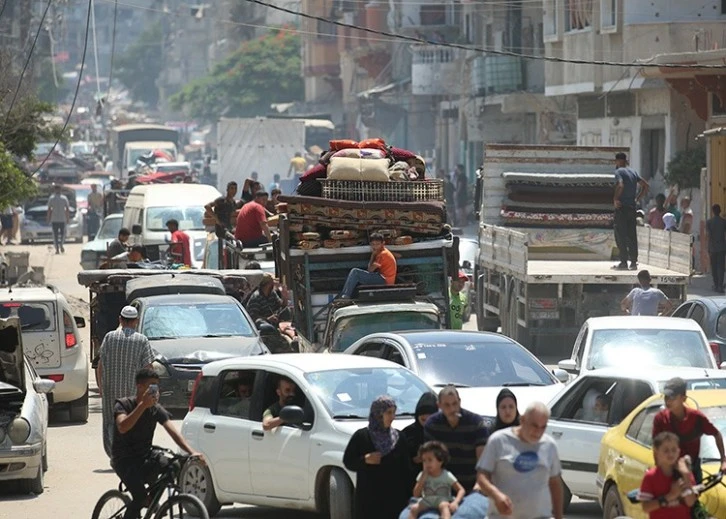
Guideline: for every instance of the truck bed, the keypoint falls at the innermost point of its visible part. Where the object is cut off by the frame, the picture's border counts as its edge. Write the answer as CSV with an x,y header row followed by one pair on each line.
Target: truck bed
x,y
593,272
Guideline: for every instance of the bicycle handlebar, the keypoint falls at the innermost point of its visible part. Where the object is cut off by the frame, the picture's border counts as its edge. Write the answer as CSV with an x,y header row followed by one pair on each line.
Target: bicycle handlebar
x,y
708,483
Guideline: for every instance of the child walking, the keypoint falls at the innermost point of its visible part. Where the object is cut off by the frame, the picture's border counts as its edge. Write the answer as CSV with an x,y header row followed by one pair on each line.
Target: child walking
x,y
434,484
664,492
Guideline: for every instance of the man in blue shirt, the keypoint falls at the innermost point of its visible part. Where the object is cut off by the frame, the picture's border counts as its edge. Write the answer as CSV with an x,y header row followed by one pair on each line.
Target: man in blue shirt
x,y
625,200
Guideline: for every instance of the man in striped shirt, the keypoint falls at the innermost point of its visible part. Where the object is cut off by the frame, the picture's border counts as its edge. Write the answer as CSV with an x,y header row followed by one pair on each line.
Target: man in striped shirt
x,y
123,353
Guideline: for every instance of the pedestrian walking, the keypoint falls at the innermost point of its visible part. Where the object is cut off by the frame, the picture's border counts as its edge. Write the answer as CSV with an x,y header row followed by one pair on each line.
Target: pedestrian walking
x,y
716,236
59,214
378,456
123,353
95,211
625,200
645,299
520,469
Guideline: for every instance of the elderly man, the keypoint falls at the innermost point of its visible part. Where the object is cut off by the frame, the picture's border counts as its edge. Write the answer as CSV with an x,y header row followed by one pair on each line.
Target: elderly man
x,y
520,469
123,353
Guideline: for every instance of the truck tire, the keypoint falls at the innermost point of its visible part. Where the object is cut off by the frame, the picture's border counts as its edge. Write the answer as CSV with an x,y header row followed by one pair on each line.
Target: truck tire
x,y
340,495
79,409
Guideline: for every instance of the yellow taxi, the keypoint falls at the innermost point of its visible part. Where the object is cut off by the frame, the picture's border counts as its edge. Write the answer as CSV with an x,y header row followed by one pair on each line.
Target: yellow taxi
x,y
626,452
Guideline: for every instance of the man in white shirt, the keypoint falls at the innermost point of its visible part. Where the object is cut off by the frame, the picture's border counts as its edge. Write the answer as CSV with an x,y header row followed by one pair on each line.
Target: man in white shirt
x,y
59,214
645,300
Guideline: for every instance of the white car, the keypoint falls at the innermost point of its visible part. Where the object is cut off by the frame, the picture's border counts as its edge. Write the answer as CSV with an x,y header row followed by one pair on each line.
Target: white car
x,y
479,364
293,466
605,342
94,251
23,414
51,343
577,427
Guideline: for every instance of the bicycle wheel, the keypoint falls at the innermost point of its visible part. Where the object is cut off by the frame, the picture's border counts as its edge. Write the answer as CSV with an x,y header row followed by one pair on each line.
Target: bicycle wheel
x,y
183,506
112,505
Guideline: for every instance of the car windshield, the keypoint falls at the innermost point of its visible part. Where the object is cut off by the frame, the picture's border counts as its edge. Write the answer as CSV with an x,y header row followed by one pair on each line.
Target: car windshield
x,y
195,320
350,329
109,229
646,347
709,450
190,218
34,317
478,363
348,393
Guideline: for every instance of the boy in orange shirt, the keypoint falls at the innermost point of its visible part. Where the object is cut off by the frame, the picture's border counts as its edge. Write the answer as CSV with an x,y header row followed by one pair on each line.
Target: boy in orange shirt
x,y
381,268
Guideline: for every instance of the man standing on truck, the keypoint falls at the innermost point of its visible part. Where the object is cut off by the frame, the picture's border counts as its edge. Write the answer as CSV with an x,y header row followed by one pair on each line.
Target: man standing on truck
x,y
645,300
222,208
251,228
59,214
298,165
182,239
716,232
625,200
123,353
381,268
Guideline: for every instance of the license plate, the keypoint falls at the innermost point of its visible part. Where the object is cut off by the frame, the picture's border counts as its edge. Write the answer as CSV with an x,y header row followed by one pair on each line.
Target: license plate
x,y
543,304
190,385
545,315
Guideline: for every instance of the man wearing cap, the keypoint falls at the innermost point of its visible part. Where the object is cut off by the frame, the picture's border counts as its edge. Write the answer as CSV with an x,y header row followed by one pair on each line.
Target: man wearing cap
x,y
645,300
625,200
688,424
457,301
123,352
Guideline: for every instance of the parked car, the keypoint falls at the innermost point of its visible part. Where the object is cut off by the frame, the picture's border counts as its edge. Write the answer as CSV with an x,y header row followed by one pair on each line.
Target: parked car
x,y
626,453
33,220
189,329
23,414
245,463
94,251
605,342
52,343
710,314
577,425
480,364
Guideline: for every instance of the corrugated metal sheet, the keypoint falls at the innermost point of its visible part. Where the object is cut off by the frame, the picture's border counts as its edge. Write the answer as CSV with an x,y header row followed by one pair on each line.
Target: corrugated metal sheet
x,y
257,144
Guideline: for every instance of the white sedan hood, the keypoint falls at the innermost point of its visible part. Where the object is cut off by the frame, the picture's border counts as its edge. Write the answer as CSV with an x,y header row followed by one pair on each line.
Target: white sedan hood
x,y
483,400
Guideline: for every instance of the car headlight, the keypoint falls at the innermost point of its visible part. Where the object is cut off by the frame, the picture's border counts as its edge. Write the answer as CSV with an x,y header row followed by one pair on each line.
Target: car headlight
x,y
19,431
159,369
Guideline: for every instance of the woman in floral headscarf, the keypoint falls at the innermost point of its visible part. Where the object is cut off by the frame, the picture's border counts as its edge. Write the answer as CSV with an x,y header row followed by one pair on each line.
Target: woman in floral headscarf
x,y
378,456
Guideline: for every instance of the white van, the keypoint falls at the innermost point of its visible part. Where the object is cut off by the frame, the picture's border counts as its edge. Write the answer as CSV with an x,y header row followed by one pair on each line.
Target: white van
x,y
150,207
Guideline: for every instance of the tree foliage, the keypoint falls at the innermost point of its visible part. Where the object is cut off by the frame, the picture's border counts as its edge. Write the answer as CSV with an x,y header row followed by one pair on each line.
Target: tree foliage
x,y
139,67
262,71
15,184
684,169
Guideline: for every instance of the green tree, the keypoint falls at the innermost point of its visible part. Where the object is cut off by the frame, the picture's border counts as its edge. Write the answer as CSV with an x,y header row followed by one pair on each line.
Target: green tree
x,y
684,169
15,184
139,67
260,72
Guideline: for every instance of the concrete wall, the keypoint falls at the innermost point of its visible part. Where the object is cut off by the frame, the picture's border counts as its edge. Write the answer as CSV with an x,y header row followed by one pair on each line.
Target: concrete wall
x,y
660,11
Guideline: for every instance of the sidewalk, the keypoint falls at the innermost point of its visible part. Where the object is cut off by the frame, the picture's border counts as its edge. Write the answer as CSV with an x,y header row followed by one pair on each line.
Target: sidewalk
x,y
700,286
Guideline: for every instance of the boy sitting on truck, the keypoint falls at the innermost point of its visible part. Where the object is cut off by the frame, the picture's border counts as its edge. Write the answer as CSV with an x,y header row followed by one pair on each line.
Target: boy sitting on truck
x,y
381,268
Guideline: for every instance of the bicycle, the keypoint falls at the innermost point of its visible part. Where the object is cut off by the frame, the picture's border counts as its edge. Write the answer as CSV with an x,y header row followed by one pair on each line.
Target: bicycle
x,y
113,503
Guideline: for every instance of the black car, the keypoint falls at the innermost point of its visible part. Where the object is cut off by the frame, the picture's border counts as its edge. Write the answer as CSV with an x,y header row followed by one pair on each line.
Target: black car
x,y
710,314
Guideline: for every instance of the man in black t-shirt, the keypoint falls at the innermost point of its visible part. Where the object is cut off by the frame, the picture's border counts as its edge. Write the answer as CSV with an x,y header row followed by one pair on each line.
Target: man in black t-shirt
x,y
136,418
222,208
286,391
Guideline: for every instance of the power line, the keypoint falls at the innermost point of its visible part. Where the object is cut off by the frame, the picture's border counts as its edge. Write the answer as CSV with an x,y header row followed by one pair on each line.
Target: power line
x,y
551,59
75,95
113,46
27,61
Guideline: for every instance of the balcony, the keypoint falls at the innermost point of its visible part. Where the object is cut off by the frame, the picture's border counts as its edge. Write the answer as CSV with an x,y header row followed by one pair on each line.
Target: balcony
x,y
435,70
491,75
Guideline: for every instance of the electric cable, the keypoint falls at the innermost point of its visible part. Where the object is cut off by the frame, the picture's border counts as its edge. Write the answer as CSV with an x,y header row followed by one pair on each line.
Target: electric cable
x,y
113,47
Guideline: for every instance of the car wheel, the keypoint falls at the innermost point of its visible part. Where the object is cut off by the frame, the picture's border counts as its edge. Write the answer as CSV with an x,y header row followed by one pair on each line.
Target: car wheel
x,y
612,506
79,409
566,497
32,486
340,495
196,480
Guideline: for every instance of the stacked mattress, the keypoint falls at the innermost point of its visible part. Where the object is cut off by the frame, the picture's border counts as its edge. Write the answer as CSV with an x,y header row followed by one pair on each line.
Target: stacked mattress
x,y
558,200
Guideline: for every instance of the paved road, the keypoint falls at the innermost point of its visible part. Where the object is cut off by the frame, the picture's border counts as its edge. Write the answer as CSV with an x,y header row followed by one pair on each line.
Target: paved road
x,y
79,471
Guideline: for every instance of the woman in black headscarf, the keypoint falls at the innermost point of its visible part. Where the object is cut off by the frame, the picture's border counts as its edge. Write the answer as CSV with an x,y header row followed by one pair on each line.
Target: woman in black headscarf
x,y
414,433
379,457
507,412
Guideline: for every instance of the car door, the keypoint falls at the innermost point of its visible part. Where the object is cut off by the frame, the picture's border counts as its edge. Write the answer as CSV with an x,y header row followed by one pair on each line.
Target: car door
x,y
577,437
224,440
280,458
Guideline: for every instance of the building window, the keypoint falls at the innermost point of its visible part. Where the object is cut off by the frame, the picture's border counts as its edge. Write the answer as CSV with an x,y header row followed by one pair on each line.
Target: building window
x,y
326,30
578,14
717,109
433,15
550,20
590,107
609,13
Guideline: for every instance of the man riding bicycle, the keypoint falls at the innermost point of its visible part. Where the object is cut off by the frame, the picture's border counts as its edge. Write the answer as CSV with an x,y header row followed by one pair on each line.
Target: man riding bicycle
x,y
136,418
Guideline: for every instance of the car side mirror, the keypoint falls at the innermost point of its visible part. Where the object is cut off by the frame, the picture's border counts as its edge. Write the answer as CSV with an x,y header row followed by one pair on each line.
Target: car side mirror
x,y
561,375
80,321
44,386
568,365
292,415
136,230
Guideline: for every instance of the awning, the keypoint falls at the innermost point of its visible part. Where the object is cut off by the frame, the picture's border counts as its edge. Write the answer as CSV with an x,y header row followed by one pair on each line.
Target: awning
x,y
382,89
713,132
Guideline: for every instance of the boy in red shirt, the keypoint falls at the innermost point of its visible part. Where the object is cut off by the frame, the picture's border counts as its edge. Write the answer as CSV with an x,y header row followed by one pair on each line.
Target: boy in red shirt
x,y
663,492
687,424
178,236
251,228
381,268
